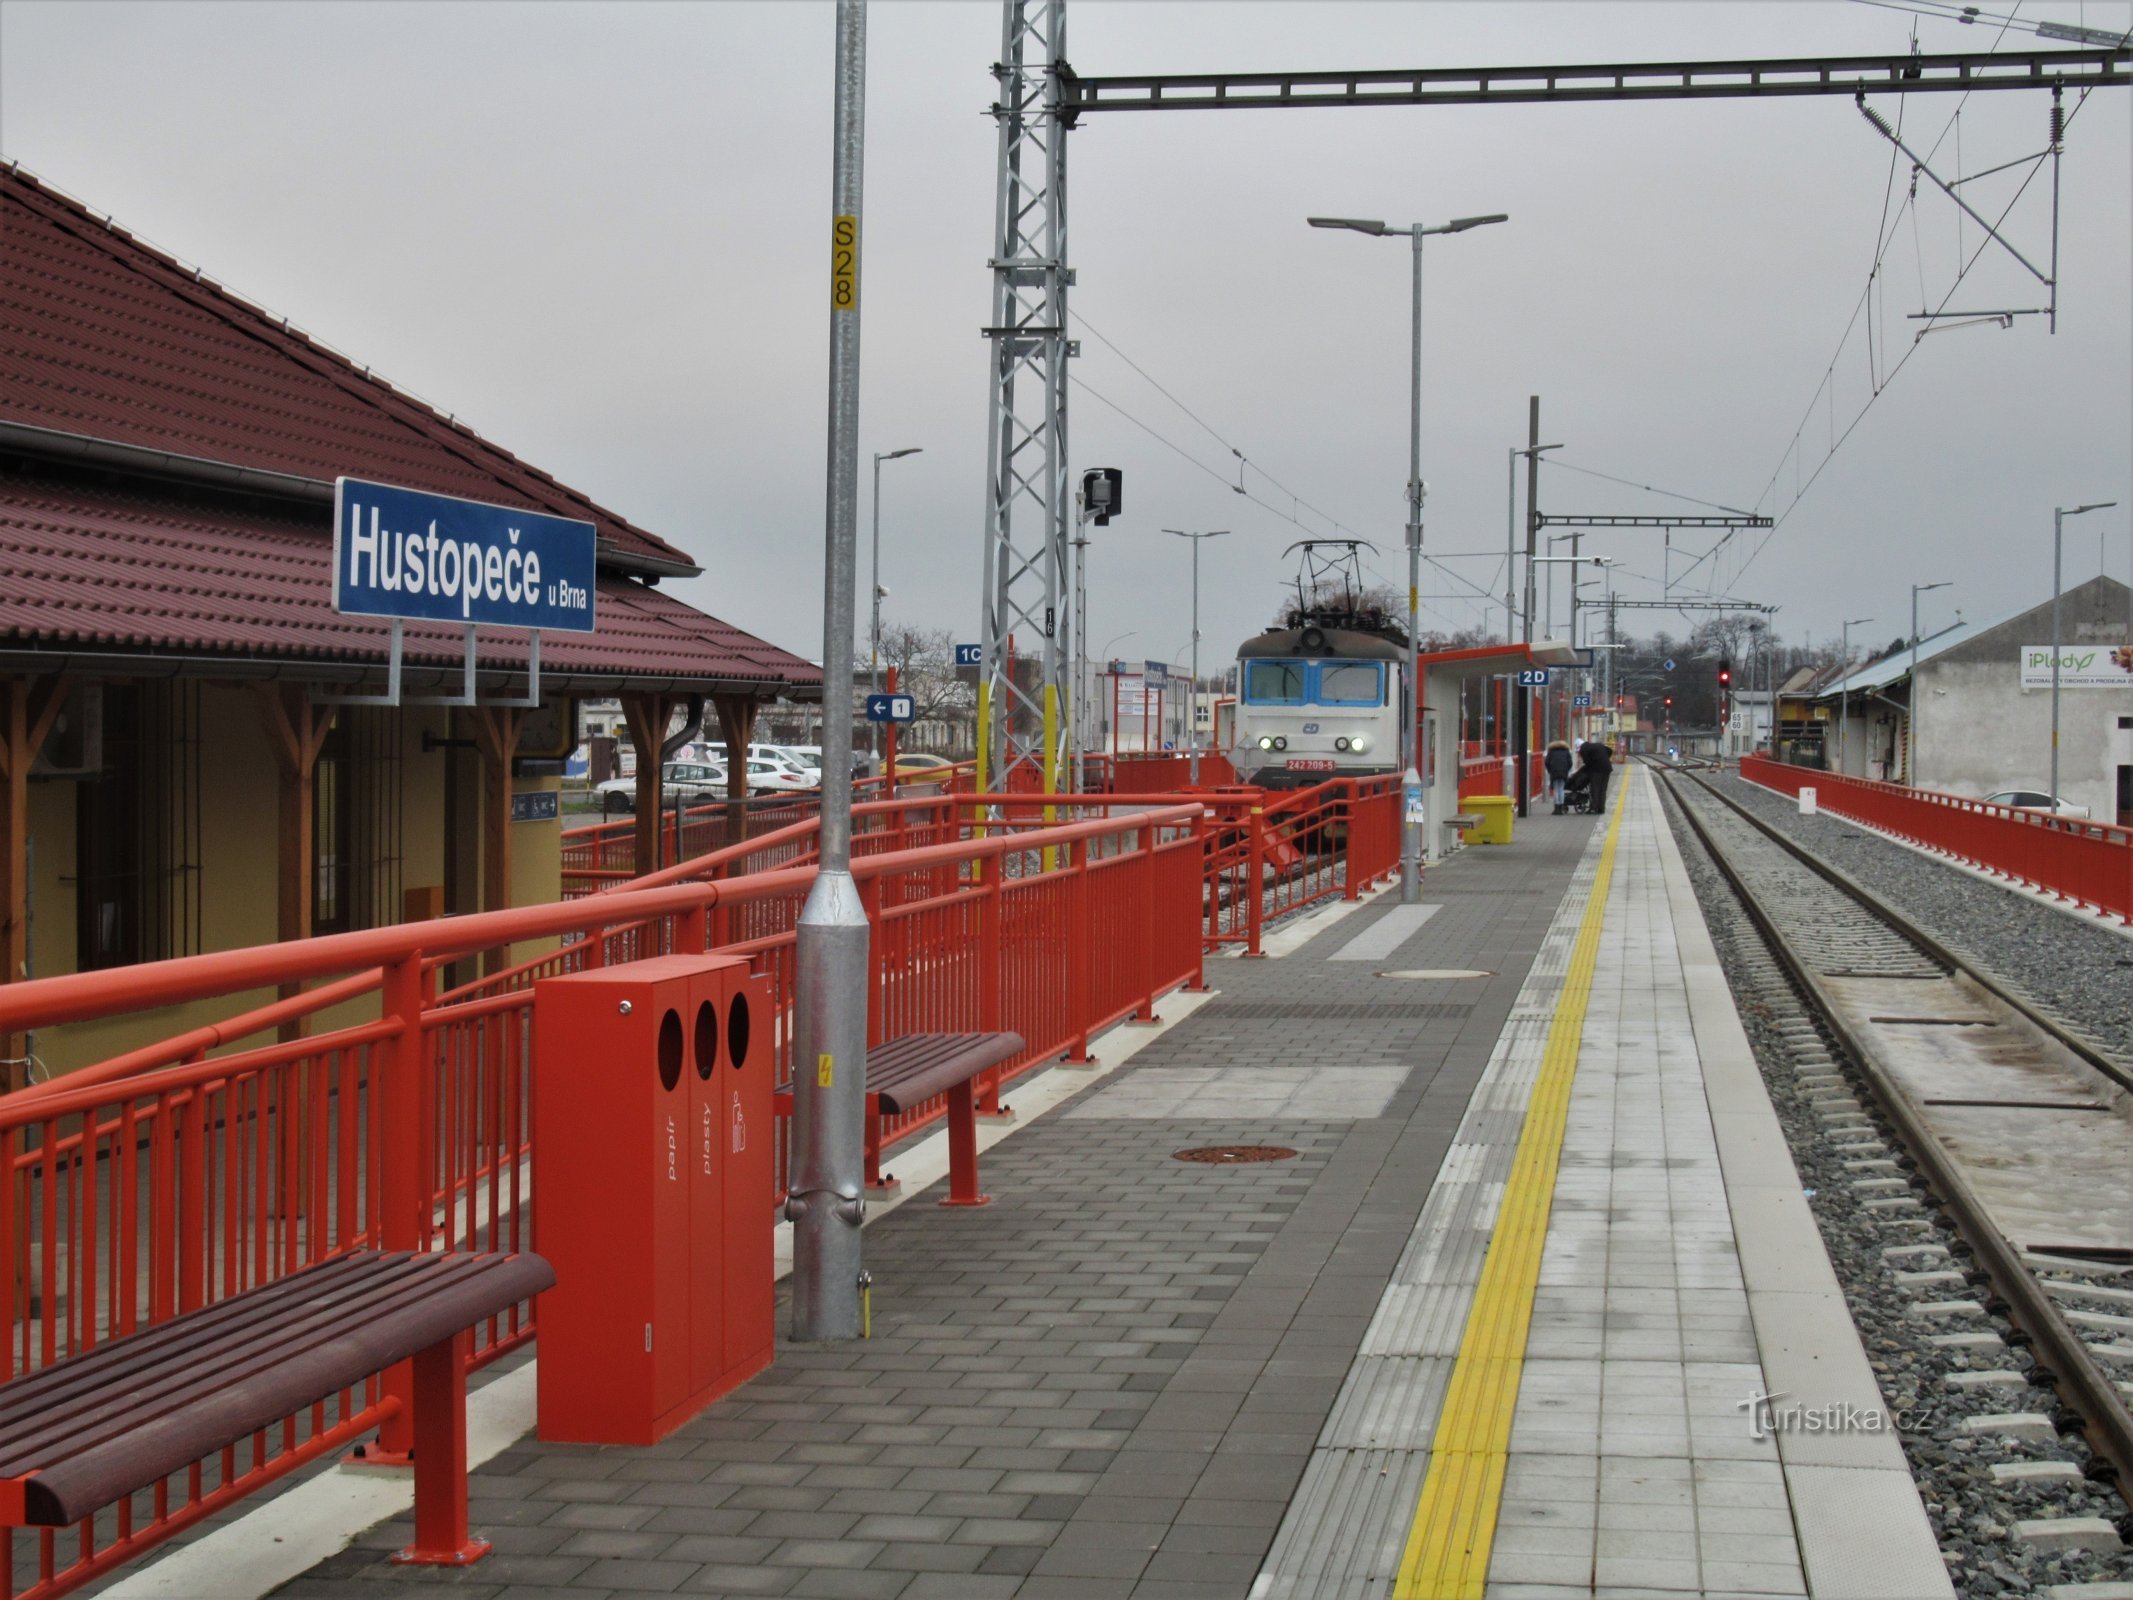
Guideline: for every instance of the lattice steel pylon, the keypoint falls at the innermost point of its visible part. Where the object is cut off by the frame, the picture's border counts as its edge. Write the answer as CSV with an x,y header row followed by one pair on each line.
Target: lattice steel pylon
x,y
1028,511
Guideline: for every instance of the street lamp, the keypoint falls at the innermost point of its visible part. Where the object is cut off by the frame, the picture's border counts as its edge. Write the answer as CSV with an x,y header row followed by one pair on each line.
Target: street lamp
x,y
1910,744
1844,690
1411,779
2059,517
874,648
1192,699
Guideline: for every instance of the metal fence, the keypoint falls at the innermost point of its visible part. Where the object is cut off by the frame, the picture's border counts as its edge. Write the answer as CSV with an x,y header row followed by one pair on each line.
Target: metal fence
x,y
2079,861
169,1180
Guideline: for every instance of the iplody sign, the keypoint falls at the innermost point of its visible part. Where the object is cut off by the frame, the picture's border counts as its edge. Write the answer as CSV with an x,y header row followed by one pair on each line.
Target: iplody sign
x,y
408,554
2081,666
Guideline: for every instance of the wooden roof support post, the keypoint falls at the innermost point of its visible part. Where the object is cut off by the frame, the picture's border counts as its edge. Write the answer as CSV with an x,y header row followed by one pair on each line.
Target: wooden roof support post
x,y
736,719
648,715
296,732
496,730
28,708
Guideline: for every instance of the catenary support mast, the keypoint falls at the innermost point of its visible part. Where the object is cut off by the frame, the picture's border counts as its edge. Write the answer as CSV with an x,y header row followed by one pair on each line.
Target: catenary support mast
x,y
1028,512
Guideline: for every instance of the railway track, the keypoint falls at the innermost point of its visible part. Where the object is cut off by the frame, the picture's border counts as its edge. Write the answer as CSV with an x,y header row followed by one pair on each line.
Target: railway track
x,y
2017,1131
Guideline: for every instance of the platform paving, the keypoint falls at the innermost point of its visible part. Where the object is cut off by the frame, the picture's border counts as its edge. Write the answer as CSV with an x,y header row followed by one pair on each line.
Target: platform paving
x,y
1108,1382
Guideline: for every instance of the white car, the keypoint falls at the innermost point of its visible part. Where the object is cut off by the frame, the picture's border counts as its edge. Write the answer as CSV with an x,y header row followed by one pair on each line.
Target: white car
x,y
769,775
2035,800
692,780
807,766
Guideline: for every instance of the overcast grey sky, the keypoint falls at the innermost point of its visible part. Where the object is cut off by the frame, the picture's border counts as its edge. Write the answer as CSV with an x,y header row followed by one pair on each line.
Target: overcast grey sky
x,y
596,232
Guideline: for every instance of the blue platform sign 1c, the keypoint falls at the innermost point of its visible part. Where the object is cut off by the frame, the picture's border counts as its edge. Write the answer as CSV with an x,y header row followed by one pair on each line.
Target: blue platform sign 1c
x,y
969,655
890,708
1533,678
428,557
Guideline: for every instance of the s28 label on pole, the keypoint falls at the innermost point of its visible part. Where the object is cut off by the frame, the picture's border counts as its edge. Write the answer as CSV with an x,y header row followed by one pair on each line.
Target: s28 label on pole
x,y
844,263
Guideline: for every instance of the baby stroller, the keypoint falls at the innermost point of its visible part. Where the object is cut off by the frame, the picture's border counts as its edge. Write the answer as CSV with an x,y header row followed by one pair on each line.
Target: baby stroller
x,y
1577,792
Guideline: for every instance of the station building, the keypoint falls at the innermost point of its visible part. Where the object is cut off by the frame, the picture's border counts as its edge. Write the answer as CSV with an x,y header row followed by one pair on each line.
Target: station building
x,y
177,775
1976,717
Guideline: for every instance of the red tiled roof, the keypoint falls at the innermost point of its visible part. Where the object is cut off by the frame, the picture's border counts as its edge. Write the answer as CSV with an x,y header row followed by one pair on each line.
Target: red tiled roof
x,y
100,569
104,336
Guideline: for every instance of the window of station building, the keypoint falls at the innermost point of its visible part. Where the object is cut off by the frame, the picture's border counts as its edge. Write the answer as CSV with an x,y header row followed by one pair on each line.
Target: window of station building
x,y
137,830
1274,683
1350,683
356,823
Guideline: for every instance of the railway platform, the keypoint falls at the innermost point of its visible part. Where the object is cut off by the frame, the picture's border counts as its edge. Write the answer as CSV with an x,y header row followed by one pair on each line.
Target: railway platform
x,y
1528,1302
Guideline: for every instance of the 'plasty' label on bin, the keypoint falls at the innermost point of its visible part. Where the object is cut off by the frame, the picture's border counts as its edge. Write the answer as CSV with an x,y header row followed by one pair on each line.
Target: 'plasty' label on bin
x,y
429,557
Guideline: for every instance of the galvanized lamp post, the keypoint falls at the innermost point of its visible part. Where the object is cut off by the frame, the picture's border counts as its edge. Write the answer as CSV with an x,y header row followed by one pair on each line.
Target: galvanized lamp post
x,y
1844,690
1910,758
874,647
1193,696
1411,779
2059,517
826,1202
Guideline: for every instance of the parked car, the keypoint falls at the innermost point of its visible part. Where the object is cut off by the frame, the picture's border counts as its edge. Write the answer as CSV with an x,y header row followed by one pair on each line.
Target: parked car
x,y
800,761
2035,800
769,775
692,780
915,764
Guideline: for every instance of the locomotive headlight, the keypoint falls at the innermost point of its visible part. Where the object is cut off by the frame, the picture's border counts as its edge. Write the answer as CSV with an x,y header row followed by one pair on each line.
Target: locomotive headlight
x,y
1359,743
1280,743
1266,741
1340,744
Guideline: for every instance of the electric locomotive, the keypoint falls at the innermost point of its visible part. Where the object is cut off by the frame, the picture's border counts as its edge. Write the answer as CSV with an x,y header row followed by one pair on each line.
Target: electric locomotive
x,y
1319,694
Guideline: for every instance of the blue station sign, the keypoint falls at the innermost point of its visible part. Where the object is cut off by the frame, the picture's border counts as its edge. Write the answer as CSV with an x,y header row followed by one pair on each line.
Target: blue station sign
x,y
890,708
428,557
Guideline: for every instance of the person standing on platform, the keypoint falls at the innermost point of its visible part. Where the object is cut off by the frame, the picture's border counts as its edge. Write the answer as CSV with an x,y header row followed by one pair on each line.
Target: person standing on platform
x,y
1598,758
1558,763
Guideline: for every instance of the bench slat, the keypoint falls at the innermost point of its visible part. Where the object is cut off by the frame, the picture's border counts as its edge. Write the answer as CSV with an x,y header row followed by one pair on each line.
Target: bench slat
x,y
402,1303
919,1066
164,1370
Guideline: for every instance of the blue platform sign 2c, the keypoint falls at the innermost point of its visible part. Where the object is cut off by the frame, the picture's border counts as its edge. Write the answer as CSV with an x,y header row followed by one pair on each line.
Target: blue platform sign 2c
x,y
431,558
1533,678
969,655
890,708
1580,702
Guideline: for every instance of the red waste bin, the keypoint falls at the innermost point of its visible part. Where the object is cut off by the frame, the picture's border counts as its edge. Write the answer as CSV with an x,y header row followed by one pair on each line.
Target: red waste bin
x,y
658,1228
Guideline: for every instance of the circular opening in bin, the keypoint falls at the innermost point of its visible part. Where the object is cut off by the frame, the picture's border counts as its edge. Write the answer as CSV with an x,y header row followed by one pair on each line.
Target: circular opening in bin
x,y
1227,1155
737,1032
706,1039
670,1050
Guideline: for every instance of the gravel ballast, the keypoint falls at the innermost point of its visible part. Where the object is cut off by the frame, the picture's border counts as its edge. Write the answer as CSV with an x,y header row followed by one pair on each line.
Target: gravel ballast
x,y
2068,965
1942,1377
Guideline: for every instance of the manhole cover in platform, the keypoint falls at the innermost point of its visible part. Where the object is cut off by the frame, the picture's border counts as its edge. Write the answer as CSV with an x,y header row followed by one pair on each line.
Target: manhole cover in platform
x,y
1226,1155
1426,974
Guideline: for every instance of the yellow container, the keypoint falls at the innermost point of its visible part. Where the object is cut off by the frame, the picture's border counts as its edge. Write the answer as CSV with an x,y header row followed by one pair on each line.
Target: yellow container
x,y
1495,811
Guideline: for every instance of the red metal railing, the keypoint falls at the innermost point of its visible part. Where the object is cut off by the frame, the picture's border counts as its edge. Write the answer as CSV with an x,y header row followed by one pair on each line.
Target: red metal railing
x,y
130,1196
2087,863
1273,852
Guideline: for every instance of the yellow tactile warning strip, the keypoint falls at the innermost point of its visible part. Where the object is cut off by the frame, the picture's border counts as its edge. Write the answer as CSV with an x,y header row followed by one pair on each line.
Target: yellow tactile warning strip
x,y
1447,1552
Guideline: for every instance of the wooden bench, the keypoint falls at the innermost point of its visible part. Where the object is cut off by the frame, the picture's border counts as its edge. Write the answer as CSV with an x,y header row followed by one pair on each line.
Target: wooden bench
x,y
102,1425
906,1072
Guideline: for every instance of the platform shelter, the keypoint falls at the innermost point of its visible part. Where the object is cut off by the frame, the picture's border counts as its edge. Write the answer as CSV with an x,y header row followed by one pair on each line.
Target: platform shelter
x,y
178,775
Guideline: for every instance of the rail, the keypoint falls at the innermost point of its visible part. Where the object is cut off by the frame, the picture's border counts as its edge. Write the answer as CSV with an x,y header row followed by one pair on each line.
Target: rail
x,y
2082,862
127,1200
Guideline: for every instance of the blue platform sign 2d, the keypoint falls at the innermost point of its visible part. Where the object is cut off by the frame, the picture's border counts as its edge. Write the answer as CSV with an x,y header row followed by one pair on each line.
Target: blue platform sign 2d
x,y
1533,678
970,655
429,557
890,708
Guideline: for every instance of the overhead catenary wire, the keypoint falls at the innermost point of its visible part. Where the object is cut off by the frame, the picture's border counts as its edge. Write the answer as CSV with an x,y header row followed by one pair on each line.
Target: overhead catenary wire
x,y
1876,278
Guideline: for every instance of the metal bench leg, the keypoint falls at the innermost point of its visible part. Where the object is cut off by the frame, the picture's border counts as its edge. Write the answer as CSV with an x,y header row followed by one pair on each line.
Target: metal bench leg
x,y
963,1149
441,1536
